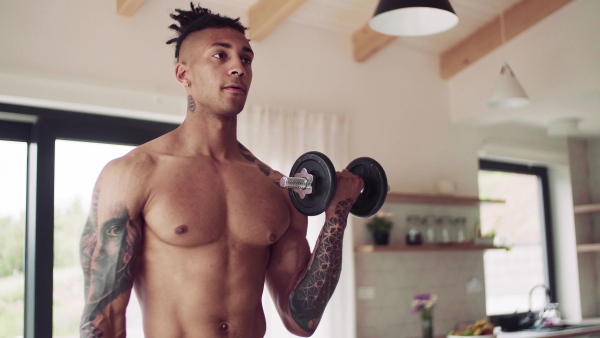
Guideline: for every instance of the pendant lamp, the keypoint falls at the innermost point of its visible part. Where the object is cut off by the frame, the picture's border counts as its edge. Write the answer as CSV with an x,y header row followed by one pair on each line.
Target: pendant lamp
x,y
507,92
413,17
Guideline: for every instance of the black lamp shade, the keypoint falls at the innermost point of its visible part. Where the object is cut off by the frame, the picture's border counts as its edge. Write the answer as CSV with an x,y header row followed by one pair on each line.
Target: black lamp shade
x,y
413,17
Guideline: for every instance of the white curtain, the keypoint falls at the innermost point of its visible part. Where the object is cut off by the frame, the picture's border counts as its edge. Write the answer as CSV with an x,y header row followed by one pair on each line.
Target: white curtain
x,y
278,138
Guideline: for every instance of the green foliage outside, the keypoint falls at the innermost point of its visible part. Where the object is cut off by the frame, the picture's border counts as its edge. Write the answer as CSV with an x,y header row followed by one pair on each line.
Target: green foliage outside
x,y
12,245
68,279
67,303
12,285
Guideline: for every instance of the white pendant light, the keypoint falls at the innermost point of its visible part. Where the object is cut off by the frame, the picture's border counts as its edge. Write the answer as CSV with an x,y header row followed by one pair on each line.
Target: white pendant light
x,y
413,17
507,92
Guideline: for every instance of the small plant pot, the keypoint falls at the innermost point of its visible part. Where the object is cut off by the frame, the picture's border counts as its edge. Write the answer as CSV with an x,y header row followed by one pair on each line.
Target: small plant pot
x,y
381,238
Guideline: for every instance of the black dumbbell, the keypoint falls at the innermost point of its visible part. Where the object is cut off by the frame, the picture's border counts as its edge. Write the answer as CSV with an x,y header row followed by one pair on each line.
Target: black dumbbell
x,y
312,184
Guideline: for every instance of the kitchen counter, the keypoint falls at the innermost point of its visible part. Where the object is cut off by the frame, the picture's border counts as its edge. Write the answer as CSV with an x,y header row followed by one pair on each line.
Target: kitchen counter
x,y
593,330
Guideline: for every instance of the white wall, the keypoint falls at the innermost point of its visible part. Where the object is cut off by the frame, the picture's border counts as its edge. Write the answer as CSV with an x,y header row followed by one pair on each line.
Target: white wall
x,y
555,61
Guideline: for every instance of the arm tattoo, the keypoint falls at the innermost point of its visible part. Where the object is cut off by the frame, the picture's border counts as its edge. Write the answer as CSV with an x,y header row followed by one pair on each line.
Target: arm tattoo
x,y
246,153
309,298
108,257
265,169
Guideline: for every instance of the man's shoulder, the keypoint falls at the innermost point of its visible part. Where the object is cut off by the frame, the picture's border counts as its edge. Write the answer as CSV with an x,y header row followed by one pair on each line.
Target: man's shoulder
x,y
253,160
138,161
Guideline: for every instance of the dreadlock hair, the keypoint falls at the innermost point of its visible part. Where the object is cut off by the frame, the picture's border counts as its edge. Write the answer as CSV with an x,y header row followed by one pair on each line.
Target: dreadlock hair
x,y
197,19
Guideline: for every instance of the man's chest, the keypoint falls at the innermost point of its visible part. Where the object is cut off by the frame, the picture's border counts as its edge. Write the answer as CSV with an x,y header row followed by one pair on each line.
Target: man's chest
x,y
195,207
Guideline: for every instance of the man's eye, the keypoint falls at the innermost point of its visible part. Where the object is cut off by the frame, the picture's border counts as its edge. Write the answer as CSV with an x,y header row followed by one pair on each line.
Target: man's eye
x,y
114,230
247,60
219,55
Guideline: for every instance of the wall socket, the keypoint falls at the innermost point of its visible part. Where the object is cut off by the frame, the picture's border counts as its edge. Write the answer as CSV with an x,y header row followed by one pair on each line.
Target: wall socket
x,y
474,285
366,292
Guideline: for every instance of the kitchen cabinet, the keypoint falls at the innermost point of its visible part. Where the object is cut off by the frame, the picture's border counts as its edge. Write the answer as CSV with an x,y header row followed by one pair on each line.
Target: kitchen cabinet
x,y
584,166
587,209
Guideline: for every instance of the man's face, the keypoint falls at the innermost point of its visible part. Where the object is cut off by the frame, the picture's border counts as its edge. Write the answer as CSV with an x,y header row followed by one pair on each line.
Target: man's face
x,y
219,68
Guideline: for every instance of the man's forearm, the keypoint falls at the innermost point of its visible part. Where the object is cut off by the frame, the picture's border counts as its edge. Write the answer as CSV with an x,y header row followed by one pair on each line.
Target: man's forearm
x,y
309,298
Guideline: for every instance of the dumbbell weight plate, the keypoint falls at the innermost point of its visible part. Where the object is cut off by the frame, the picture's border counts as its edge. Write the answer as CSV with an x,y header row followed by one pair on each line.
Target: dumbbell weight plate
x,y
376,186
323,186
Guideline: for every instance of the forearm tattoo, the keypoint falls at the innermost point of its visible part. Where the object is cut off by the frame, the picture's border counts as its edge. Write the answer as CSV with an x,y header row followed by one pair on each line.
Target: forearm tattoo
x,y
108,256
309,298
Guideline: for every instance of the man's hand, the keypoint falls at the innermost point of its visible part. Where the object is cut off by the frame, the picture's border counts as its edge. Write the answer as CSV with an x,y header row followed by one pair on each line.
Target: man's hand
x,y
88,330
349,187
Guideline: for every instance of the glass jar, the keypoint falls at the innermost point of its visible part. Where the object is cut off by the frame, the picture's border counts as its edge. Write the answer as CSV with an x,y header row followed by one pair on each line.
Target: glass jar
x,y
429,225
444,223
413,236
461,229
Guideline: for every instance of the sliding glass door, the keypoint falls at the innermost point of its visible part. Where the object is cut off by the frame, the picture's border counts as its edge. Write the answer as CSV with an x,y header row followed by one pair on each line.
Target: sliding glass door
x,y
77,165
48,166
13,192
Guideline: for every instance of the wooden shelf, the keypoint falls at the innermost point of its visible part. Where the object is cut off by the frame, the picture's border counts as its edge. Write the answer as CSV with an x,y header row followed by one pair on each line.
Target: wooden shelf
x,y
424,248
397,197
586,208
592,247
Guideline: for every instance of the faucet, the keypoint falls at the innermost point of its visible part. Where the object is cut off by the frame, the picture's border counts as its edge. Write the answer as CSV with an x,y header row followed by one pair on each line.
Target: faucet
x,y
550,315
547,294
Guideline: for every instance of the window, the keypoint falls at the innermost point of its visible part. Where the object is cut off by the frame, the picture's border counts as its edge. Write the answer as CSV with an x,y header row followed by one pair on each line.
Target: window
x,y
77,166
524,224
13,188
45,140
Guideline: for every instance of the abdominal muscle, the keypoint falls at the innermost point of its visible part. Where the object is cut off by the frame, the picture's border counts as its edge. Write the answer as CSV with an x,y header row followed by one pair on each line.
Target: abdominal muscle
x,y
209,291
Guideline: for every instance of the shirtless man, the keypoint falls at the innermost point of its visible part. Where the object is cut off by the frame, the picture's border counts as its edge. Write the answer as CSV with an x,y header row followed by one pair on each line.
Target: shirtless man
x,y
196,224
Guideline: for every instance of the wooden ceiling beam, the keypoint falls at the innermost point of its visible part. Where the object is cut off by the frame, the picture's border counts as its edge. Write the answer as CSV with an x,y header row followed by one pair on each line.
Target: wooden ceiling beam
x,y
517,19
128,7
366,42
266,15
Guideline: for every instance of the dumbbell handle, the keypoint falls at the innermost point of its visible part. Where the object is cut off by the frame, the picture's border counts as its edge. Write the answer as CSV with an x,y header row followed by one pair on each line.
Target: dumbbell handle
x,y
301,183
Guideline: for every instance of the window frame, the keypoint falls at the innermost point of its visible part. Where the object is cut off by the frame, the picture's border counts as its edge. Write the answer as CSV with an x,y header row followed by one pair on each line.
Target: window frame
x,y
548,244
46,126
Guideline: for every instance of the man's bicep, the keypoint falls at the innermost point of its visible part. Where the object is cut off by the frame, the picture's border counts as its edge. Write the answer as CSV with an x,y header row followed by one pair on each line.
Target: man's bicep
x,y
289,258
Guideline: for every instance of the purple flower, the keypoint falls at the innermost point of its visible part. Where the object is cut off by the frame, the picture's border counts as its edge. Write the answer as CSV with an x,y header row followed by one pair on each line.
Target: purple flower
x,y
422,296
423,302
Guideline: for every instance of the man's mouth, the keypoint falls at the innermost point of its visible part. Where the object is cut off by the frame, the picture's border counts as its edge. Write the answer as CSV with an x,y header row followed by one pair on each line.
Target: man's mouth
x,y
235,88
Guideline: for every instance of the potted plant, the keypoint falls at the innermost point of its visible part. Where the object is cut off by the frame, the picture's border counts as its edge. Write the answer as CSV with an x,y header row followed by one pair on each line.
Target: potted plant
x,y
380,227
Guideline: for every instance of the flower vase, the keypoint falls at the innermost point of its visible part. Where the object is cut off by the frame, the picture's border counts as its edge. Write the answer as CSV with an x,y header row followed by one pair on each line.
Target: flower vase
x,y
427,323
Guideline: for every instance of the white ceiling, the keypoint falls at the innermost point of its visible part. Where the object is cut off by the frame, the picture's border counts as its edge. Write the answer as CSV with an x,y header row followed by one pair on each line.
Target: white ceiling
x,y
44,38
346,16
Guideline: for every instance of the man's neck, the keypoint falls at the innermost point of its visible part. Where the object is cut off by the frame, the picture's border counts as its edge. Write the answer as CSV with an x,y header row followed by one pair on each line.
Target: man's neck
x,y
211,136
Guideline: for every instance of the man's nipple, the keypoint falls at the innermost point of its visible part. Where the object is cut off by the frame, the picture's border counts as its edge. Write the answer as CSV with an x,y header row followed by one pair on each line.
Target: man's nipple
x,y
182,229
272,238
224,327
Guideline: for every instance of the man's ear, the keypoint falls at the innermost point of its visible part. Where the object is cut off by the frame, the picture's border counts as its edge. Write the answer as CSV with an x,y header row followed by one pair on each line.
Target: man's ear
x,y
181,74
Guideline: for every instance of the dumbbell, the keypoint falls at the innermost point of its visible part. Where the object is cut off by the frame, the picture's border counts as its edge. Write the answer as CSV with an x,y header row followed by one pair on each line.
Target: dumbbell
x,y
312,184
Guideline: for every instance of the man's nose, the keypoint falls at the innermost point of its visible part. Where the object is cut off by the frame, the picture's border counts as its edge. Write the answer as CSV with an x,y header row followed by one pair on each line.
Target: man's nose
x,y
237,68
